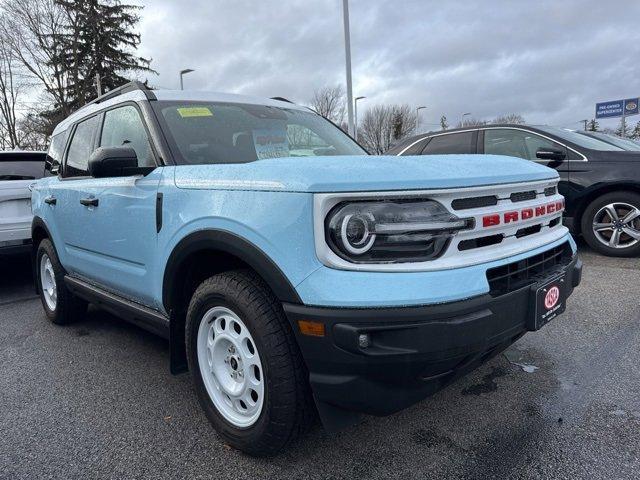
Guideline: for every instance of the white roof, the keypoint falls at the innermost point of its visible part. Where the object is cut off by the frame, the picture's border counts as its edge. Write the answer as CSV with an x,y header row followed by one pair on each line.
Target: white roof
x,y
178,95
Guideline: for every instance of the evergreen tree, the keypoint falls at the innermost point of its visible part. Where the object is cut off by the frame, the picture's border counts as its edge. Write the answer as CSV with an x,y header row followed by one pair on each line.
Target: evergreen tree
x,y
593,125
444,125
623,129
635,134
98,41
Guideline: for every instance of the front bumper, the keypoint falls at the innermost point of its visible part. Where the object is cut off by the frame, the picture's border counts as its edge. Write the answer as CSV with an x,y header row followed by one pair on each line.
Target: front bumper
x,y
413,351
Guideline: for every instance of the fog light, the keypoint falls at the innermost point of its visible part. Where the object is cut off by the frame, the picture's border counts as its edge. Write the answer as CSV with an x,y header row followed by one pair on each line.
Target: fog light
x,y
364,340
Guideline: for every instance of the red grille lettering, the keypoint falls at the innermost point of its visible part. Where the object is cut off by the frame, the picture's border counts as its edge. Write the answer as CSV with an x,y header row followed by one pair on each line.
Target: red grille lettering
x,y
511,217
490,220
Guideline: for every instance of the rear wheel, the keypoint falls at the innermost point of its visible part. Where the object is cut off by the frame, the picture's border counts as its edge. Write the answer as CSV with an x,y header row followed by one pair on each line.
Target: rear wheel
x,y
60,305
245,364
611,224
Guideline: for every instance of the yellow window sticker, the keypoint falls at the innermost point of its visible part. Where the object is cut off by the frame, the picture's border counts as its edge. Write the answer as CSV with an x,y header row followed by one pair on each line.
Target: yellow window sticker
x,y
186,112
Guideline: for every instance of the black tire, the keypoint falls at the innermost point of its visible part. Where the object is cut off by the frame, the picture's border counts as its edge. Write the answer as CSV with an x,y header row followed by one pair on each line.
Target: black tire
x,y
68,307
589,216
287,409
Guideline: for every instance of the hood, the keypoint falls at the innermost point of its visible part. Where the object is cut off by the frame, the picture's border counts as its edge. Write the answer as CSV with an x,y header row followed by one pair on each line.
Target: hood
x,y
362,173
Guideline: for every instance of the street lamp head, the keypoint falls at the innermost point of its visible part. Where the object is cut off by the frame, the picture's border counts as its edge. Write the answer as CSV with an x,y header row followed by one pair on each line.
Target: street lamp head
x,y
186,70
360,98
420,108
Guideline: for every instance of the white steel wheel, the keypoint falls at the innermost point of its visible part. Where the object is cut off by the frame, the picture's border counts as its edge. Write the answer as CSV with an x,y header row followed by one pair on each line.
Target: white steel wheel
x,y
230,367
48,282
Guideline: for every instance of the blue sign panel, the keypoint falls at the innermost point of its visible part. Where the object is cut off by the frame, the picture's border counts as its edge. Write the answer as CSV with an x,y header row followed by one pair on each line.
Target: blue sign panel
x,y
631,106
616,107
609,109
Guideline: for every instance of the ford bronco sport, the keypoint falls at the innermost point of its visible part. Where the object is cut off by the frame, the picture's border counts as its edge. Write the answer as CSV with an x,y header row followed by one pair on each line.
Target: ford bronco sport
x,y
292,274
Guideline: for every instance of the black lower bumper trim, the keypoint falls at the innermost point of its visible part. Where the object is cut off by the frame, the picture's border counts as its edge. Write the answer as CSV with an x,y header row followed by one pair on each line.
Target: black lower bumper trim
x,y
411,352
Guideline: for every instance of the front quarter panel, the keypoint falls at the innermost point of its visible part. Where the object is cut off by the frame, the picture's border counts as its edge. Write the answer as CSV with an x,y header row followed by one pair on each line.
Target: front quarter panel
x,y
280,224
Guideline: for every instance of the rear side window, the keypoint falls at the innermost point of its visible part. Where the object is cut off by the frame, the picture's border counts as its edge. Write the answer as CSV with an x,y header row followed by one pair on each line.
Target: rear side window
x,y
56,149
16,170
410,147
123,127
463,142
80,148
516,143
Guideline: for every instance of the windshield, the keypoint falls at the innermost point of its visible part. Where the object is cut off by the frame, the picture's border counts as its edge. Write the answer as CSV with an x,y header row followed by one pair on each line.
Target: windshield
x,y
617,141
580,140
208,132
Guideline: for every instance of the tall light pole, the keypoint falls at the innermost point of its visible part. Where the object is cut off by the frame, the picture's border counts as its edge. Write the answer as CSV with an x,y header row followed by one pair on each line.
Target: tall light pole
x,y
585,124
462,118
347,54
355,114
418,117
183,72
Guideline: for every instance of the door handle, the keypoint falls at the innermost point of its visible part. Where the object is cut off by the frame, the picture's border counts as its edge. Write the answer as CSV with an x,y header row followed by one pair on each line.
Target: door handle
x,y
89,202
50,200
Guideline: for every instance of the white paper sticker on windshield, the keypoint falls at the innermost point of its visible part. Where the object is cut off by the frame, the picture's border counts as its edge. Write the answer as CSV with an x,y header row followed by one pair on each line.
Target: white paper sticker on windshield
x,y
271,143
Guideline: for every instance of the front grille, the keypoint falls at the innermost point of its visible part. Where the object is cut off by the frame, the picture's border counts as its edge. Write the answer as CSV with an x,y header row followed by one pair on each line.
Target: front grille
x,y
480,242
515,275
523,196
474,202
526,231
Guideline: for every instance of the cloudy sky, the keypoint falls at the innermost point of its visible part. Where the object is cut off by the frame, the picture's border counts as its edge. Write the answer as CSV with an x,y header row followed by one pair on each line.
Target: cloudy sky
x,y
547,60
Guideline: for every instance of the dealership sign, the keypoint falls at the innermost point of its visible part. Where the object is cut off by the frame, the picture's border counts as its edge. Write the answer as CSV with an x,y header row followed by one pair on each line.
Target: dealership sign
x,y
617,108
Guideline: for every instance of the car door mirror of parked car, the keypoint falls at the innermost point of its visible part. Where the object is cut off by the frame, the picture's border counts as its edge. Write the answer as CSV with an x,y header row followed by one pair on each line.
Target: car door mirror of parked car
x,y
115,162
550,154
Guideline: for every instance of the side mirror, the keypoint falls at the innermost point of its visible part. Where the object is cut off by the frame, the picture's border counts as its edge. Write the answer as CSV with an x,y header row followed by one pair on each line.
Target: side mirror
x,y
51,166
115,162
550,154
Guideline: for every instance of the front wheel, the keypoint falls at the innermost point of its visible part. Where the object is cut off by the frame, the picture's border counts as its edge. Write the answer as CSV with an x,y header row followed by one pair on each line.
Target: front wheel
x,y
60,305
611,224
245,364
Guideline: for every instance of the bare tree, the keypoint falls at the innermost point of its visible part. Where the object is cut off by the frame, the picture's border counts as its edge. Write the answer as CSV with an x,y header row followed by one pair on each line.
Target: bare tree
x,y
384,125
10,89
471,122
330,102
32,31
509,118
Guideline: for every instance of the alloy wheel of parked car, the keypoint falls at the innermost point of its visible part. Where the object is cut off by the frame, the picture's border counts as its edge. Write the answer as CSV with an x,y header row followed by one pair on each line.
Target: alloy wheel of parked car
x,y
230,366
48,282
611,224
617,225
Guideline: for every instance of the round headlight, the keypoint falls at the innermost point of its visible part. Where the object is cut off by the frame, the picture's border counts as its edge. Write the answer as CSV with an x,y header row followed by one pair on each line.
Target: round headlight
x,y
389,231
355,233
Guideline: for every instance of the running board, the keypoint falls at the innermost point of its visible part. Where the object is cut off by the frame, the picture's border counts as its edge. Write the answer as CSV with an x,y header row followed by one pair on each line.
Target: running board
x,y
142,316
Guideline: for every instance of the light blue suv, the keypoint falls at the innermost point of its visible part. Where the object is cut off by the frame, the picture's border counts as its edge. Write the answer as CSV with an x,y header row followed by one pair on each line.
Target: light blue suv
x,y
293,275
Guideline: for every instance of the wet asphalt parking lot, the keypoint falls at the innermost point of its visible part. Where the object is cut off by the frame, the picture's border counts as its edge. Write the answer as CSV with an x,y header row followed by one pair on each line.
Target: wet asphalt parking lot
x,y
96,400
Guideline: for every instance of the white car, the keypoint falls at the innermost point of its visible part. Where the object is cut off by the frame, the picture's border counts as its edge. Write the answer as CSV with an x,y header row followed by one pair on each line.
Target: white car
x,y
18,171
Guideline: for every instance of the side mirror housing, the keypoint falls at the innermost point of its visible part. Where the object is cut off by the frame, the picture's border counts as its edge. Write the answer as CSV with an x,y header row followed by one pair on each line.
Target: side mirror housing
x,y
550,154
115,162
51,166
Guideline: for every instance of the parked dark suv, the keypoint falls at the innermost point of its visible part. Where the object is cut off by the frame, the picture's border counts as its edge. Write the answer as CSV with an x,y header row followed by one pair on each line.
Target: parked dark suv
x,y
600,181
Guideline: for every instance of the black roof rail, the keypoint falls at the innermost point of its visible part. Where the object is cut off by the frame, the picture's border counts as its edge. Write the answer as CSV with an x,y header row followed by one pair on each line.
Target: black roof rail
x,y
127,87
282,99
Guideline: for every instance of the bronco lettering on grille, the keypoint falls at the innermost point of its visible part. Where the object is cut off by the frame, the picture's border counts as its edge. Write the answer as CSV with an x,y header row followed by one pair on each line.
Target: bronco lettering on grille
x,y
524,214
